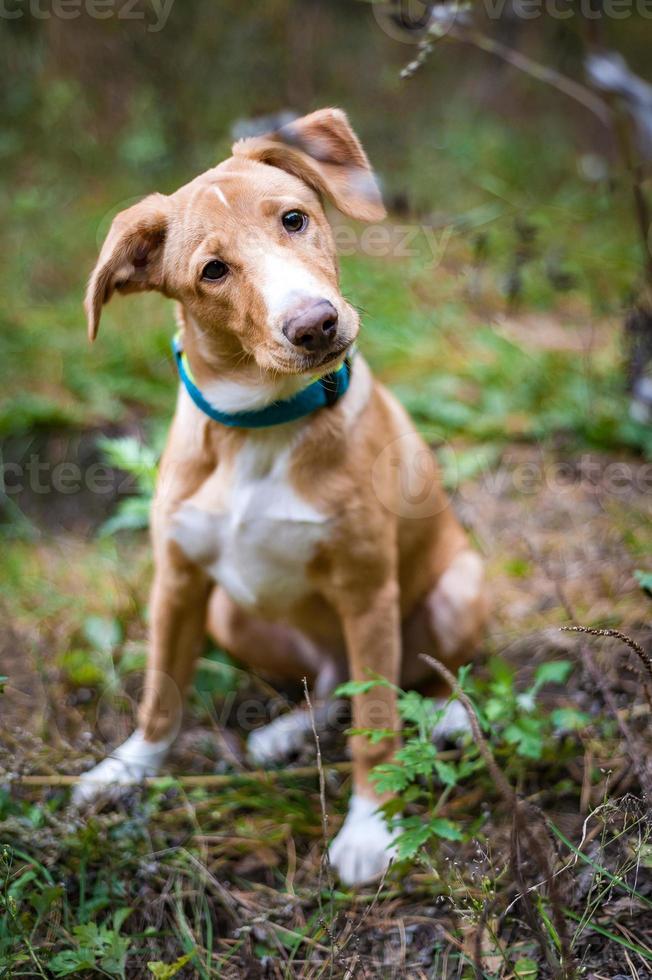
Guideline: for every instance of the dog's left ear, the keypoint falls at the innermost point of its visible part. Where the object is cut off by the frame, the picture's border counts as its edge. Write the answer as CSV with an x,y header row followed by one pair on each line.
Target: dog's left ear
x,y
131,259
322,150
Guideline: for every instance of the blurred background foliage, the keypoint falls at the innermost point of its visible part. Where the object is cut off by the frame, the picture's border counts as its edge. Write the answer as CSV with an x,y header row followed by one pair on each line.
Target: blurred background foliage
x,y
517,185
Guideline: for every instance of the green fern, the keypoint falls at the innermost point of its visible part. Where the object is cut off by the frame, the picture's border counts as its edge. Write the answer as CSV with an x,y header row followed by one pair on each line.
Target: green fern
x,y
141,461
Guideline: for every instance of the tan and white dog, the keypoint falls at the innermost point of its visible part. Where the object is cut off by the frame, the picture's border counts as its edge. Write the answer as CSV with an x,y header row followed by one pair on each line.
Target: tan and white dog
x,y
300,547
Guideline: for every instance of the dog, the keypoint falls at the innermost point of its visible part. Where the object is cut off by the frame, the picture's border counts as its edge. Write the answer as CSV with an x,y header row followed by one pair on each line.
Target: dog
x,y
286,522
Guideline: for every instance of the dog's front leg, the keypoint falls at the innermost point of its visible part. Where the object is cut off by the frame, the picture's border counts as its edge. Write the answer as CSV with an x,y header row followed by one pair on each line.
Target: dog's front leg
x,y
363,848
178,605
178,608
178,615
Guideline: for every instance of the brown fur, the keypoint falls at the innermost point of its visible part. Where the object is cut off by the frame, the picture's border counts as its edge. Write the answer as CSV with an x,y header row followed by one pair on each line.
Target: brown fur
x,y
373,579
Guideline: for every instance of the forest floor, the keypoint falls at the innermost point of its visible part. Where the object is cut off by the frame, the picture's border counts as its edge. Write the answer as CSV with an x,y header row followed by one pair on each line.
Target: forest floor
x,y
232,870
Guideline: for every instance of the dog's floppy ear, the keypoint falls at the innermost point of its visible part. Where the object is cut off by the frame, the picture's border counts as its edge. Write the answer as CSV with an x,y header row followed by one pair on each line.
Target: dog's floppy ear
x,y
131,257
322,150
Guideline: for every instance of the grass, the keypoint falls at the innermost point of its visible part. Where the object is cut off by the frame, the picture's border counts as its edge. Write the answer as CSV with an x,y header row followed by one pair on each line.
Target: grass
x,y
501,335
227,878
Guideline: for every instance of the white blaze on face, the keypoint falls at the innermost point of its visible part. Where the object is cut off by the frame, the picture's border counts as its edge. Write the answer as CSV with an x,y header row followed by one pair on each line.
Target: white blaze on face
x,y
283,281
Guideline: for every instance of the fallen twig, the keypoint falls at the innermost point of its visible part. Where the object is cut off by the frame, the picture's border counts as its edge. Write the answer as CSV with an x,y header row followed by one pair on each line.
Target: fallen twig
x,y
208,781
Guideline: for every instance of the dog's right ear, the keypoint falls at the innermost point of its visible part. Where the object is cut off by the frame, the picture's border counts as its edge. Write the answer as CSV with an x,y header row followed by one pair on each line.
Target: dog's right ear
x,y
131,259
322,150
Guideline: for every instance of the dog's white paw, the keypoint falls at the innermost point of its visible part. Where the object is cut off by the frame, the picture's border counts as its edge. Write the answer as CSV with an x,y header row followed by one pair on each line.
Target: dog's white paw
x,y
362,850
278,740
131,762
454,721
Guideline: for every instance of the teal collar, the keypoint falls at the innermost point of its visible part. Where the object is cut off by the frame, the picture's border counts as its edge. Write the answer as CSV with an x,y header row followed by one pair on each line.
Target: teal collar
x,y
322,393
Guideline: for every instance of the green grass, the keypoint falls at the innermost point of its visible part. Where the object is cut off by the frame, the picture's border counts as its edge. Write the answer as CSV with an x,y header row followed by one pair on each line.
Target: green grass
x,y
223,881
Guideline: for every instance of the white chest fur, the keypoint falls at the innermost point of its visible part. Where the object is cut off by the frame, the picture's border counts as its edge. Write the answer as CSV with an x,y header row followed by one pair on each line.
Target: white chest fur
x,y
250,529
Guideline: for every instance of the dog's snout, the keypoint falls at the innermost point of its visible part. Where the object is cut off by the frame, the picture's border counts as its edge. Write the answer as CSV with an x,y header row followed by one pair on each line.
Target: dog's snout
x,y
313,328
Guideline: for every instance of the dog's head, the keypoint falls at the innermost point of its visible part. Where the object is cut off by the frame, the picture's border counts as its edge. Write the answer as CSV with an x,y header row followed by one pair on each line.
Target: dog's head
x,y
247,250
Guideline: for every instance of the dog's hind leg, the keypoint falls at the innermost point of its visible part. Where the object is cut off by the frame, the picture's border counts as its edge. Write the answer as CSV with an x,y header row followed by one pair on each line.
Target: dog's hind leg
x,y
448,624
284,653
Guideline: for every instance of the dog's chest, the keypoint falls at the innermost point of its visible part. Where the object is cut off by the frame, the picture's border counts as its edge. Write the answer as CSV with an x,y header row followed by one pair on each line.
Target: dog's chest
x,y
251,530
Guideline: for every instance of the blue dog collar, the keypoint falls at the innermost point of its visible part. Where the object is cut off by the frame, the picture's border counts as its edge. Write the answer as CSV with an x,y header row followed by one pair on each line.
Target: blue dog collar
x,y
322,393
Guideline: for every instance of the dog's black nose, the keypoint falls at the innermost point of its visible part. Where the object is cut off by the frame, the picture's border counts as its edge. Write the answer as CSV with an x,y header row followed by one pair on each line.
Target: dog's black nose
x,y
313,328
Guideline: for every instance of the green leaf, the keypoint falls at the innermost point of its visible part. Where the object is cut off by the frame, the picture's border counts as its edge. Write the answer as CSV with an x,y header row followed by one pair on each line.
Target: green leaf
x,y
81,668
390,778
351,688
114,961
132,456
72,961
526,969
526,736
468,766
42,901
103,633
98,948
417,757
518,567
463,676
92,936
526,701
131,515
414,793
120,916
446,772
445,828
3,681
644,579
416,832
165,971
569,719
496,708
414,708
409,842
501,673
553,672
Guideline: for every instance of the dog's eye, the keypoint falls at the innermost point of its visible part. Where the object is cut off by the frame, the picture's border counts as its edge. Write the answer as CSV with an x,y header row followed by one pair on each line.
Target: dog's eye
x,y
294,221
214,270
